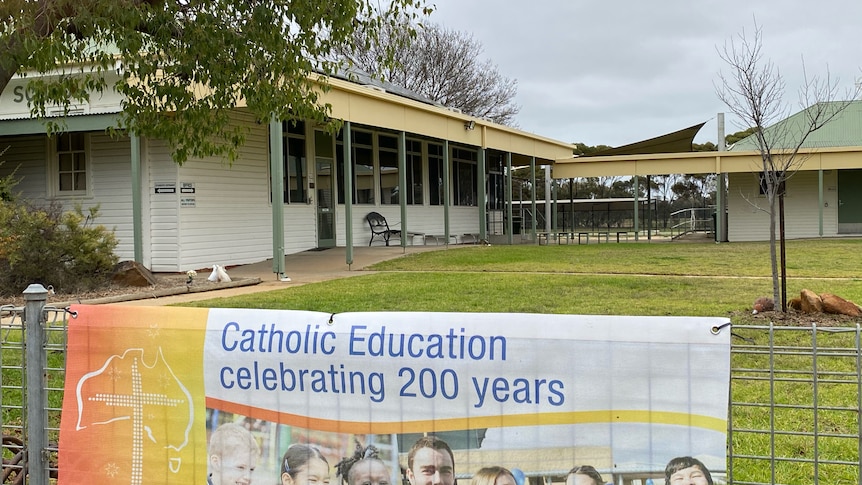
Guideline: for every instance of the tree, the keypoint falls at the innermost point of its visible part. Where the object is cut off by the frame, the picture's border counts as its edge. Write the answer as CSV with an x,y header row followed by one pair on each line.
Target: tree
x,y
183,65
440,64
739,135
753,90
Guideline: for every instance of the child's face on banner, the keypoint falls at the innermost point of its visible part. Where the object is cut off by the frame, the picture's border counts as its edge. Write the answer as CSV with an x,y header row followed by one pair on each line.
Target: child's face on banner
x,y
315,472
236,468
692,475
369,472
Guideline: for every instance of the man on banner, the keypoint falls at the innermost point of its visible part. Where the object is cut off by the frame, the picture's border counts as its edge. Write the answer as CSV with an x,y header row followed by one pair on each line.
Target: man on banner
x,y
430,462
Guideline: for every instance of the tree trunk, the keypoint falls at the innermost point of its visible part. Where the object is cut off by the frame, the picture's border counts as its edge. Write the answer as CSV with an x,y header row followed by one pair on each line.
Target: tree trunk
x,y
773,256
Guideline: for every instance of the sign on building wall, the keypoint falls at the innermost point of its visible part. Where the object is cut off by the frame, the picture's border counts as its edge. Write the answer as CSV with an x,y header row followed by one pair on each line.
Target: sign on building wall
x,y
147,389
15,99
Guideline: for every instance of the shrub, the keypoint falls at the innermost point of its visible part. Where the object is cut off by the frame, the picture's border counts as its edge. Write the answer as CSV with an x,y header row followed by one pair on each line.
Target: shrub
x,y
49,246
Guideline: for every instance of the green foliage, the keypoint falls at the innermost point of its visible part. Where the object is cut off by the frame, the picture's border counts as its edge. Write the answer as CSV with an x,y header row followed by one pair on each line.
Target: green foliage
x,y
52,247
8,182
739,135
704,147
582,149
181,67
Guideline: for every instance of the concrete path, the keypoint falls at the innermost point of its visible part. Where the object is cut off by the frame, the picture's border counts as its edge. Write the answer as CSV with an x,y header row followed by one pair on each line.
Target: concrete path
x,y
302,268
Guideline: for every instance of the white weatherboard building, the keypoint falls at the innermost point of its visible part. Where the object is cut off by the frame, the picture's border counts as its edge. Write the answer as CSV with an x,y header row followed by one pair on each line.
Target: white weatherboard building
x,y
423,166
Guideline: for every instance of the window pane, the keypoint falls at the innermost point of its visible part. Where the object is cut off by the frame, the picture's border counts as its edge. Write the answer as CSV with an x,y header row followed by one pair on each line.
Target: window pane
x,y
322,144
414,178
77,141
65,181
67,163
295,127
363,175
362,138
296,172
465,177
64,142
80,181
80,161
390,142
339,168
388,177
435,174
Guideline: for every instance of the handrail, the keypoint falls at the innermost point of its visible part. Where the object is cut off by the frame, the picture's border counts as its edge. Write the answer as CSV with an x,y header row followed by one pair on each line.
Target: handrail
x,y
690,222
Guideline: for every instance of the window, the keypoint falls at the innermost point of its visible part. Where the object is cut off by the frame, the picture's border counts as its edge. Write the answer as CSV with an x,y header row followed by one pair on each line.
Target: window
x,y
71,164
363,167
496,182
435,174
414,172
465,177
295,171
782,188
388,155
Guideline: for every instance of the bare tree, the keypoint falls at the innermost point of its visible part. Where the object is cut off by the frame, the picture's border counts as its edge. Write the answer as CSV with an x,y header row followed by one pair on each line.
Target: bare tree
x,y
440,64
754,91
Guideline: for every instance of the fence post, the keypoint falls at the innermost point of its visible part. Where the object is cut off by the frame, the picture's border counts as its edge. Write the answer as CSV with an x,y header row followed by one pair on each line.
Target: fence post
x,y
35,297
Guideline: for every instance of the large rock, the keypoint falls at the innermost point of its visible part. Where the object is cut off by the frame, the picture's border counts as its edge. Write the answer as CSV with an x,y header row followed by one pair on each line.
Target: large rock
x,y
132,273
839,306
795,303
810,302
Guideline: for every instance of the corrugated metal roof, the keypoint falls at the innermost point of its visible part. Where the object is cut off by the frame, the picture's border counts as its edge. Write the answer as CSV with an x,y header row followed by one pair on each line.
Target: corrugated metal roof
x,y
356,75
845,130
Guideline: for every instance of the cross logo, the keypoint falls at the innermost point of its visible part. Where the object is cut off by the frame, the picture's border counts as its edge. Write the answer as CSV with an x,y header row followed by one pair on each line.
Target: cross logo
x,y
149,397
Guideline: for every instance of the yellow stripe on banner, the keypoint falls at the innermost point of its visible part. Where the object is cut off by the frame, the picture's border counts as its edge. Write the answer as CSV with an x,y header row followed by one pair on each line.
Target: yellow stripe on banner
x,y
385,427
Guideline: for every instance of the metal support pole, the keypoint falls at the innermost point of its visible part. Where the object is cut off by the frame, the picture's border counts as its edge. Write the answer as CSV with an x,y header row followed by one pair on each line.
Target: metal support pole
x,y
533,217
137,197
447,195
276,170
547,198
820,202
720,199
402,191
509,225
347,151
480,193
36,422
636,183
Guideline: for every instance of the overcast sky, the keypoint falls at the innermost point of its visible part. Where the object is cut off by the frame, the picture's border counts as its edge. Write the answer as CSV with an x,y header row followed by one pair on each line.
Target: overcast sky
x,y
615,72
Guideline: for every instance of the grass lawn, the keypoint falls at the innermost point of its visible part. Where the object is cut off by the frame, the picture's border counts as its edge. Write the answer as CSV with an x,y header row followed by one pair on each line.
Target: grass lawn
x,y
648,279
613,279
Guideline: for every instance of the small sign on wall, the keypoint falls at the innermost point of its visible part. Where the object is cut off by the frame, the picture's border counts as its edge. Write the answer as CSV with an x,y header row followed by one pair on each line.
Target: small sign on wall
x,y
166,188
187,187
187,202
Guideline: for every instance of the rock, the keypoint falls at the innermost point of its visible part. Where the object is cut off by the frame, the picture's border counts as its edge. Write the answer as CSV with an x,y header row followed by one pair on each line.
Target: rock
x,y
763,304
132,273
810,302
839,306
795,303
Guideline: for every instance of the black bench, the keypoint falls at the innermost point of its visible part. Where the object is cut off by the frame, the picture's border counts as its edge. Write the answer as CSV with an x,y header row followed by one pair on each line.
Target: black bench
x,y
380,228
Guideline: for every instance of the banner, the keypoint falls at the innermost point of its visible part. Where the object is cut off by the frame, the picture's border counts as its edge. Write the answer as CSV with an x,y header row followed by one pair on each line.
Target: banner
x,y
196,396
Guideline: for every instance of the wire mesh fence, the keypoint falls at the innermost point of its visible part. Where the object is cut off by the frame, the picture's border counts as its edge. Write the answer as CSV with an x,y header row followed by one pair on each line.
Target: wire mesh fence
x,y
32,371
795,403
796,395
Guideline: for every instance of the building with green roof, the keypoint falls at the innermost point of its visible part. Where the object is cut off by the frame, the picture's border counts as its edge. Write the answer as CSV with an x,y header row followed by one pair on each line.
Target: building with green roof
x,y
823,196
